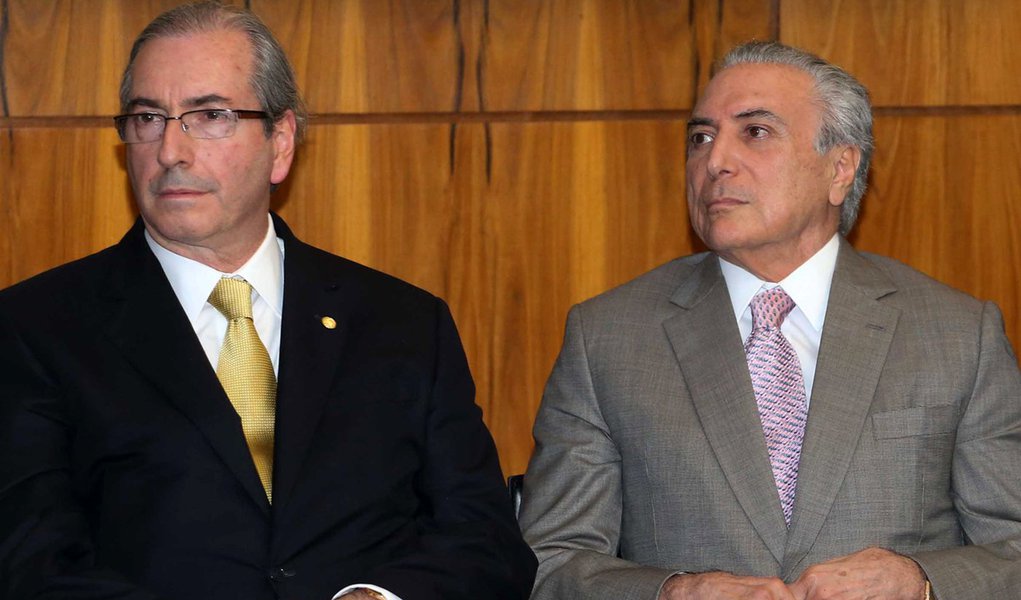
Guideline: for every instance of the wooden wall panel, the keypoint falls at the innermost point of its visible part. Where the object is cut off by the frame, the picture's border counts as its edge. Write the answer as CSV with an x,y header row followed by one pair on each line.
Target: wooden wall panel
x,y
575,209
918,53
67,196
568,210
552,55
357,56
719,26
588,55
506,55
66,57
407,56
951,210
518,156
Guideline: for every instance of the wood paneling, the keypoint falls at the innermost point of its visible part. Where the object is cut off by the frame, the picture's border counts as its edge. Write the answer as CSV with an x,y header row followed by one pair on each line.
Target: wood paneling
x,y
65,196
918,53
356,56
568,210
66,58
719,26
588,55
943,199
570,179
408,56
574,210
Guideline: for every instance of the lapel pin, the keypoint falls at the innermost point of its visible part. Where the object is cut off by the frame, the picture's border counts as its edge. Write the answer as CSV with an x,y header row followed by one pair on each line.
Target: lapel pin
x,y
328,322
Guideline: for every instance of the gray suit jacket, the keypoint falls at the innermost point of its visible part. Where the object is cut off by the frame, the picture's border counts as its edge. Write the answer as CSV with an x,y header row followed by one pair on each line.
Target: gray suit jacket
x,y
650,457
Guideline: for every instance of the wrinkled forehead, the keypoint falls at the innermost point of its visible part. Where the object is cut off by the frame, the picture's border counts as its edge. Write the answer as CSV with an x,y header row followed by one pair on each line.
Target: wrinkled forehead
x,y
178,71
779,89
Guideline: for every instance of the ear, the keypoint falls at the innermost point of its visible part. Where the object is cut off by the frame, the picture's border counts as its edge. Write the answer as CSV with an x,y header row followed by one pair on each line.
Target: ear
x,y
283,147
845,164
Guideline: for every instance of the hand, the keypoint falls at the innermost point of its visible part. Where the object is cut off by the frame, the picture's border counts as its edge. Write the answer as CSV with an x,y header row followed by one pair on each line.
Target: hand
x,y
717,584
870,573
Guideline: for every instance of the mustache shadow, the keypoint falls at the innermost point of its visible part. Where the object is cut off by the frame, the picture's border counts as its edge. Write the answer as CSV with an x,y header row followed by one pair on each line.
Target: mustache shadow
x,y
178,179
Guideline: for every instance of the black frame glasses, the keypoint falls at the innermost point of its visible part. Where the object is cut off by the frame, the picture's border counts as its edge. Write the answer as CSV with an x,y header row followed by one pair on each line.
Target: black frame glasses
x,y
200,124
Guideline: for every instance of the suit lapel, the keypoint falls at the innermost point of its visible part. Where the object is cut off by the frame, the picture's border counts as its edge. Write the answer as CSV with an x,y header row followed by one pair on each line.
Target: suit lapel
x,y
146,322
856,338
310,352
707,344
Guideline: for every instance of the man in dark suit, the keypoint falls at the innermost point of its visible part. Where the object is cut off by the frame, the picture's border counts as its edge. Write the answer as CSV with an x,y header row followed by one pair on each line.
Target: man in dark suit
x,y
213,409
782,418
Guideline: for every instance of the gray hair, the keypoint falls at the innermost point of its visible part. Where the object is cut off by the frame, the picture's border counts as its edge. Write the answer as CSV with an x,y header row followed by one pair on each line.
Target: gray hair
x,y
272,76
846,110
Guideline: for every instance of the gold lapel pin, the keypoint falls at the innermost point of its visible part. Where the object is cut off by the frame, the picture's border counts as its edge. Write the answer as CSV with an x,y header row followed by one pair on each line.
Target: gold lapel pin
x,y
328,322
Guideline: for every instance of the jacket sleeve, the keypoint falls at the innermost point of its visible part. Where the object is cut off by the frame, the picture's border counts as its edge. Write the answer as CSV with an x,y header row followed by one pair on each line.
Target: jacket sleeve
x,y
469,545
986,480
45,546
572,502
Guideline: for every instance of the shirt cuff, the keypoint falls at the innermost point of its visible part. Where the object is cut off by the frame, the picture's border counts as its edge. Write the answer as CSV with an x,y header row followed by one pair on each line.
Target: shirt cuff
x,y
388,595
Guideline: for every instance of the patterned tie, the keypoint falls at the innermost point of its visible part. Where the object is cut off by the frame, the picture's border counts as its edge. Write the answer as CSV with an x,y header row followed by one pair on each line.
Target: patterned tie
x,y
246,373
779,390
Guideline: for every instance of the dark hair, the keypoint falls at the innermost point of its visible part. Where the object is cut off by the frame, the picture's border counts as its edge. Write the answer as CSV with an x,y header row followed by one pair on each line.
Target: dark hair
x,y
272,76
846,110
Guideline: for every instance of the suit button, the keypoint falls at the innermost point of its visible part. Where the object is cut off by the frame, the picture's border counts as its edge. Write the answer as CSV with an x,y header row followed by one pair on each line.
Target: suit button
x,y
281,573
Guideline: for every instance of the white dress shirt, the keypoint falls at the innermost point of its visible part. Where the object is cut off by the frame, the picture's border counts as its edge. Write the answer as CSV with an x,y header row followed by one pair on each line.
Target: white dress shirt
x,y
193,281
808,286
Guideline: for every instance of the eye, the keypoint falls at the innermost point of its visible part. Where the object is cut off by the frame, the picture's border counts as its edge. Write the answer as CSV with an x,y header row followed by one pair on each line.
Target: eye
x,y
214,116
757,131
147,118
699,138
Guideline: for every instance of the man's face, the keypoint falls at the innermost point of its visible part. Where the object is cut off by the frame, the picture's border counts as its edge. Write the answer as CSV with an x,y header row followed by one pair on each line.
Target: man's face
x,y
205,199
758,192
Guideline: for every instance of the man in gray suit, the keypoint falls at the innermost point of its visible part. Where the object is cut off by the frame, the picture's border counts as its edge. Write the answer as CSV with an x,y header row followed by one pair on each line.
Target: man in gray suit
x,y
782,417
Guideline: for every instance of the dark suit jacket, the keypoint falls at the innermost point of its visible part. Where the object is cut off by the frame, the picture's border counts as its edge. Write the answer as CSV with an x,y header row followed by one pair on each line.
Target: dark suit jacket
x,y
649,444
124,472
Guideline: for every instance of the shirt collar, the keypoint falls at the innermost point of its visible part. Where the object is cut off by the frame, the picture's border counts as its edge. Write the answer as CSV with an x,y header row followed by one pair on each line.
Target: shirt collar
x,y
193,281
809,284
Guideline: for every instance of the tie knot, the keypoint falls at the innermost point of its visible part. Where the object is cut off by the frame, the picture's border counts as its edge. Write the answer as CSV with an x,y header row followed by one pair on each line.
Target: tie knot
x,y
770,308
233,298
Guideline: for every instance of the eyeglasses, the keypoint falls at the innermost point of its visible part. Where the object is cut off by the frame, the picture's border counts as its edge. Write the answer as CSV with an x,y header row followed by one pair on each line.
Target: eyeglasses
x,y
202,124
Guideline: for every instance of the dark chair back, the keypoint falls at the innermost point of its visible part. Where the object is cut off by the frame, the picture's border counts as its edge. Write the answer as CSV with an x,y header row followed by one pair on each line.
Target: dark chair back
x,y
514,485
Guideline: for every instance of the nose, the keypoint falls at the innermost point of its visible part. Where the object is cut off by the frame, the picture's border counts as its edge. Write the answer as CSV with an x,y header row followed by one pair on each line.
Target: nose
x,y
721,161
176,146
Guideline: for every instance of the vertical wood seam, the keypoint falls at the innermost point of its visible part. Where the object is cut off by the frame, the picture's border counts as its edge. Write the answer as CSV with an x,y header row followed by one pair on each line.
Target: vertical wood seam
x,y
480,72
696,58
774,19
458,84
4,103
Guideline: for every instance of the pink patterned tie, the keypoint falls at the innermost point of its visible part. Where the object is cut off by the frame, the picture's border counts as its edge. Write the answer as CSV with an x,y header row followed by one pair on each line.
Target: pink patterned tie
x,y
779,390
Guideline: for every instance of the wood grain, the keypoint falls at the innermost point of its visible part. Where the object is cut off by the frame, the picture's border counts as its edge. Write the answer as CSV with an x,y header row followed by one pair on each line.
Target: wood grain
x,y
571,183
65,196
568,210
942,200
719,26
356,56
918,53
66,58
587,55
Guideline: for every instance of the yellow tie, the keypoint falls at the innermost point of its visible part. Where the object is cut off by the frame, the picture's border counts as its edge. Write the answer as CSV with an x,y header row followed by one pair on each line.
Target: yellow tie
x,y
246,374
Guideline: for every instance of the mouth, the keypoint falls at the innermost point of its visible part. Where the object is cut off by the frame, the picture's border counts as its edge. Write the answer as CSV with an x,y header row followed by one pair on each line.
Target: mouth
x,y
182,193
717,205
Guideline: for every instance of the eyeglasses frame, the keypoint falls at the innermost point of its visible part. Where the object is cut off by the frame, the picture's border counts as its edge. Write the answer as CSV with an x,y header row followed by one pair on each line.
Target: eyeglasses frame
x,y
121,120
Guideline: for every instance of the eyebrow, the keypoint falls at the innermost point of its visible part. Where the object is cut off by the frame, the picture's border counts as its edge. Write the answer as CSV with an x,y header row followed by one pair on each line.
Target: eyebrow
x,y
752,113
760,113
187,104
701,121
